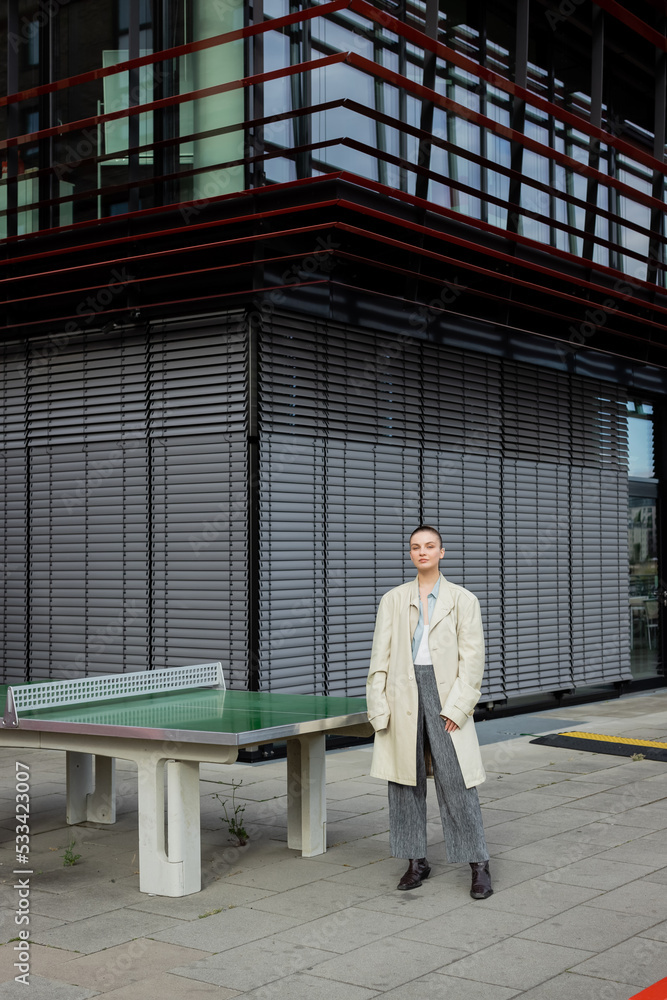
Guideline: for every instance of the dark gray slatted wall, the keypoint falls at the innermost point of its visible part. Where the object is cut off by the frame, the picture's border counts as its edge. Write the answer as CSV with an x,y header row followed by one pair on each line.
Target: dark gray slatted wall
x,y
14,531
462,496
292,588
135,500
370,506
361,433
337,497
537,428
199,538
88,508
599,489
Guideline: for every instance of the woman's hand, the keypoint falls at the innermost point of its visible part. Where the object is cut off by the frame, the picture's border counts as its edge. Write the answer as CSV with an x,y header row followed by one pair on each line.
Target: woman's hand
x,y
450,726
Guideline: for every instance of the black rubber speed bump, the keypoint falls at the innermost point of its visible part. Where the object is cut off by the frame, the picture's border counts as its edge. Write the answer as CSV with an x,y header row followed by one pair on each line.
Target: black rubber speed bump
x,y
599,743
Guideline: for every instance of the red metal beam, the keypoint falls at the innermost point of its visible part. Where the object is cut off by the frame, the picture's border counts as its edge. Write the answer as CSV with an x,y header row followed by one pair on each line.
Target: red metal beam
x,y
167,102
173,53
418,38
537,333
633,22
496,231
78,317
512,279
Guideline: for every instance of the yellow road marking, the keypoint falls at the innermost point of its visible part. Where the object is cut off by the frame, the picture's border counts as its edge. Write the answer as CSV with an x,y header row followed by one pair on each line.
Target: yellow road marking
x,y
617,739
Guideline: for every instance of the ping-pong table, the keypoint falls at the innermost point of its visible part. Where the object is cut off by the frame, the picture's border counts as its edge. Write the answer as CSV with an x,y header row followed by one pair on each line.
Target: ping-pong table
x,y
171,720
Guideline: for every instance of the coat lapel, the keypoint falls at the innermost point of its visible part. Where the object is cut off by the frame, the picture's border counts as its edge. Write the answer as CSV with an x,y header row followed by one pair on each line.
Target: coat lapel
x,y
443,605
414,606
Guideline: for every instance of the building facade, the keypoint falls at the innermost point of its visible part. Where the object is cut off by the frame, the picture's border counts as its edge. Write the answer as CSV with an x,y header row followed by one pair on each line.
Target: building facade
x,y
282,281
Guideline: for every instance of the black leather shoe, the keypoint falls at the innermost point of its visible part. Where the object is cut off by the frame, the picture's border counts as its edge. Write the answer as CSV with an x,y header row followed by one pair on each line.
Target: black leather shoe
x,y
481,880
418,870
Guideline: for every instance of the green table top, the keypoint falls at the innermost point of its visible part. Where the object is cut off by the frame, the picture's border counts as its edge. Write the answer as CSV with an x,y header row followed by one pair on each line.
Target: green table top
x,y
204,714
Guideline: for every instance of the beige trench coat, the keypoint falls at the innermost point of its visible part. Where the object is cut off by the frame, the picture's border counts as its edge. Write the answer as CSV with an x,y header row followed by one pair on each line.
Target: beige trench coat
x,y
456,642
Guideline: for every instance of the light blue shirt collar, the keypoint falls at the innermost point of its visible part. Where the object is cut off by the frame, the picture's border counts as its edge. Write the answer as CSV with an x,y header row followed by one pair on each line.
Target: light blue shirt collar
x,y
419,631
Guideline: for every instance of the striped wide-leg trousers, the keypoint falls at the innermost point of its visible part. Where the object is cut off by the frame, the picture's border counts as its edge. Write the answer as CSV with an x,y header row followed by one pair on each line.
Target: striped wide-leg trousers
x,y
460,811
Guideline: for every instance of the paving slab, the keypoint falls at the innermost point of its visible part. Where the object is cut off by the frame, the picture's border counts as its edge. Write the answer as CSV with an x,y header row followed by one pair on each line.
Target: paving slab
x,y
348,929
359,786
537,898
429,901
607,778
504,873
534,801
659,876
493,816
303,986
436,986
580,762
103,930
222,857
266,790
44,962
589,928
621,799
607,834
38,923
516,832
287,874
220,895
643,897
248,966
226,929
310,902
651,817
386,963
578,788
639,961
358,853
359,804
472,928
79,905
357,827
648,851
572,986
170,987
124,964
658,932
44,989
383,875
551,852
598,874
97,868
570,816
517,962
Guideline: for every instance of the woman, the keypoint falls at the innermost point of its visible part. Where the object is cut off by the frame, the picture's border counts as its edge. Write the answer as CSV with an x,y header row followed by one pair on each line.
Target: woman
x,y
423,684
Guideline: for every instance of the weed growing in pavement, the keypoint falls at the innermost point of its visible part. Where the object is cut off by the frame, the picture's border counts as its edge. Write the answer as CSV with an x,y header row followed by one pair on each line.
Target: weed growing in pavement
x,y
69,857
235,821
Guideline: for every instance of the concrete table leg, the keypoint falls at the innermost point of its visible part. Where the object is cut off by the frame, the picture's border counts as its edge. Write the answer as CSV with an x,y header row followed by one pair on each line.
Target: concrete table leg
x,y
91,791
178,873
306,794
183,826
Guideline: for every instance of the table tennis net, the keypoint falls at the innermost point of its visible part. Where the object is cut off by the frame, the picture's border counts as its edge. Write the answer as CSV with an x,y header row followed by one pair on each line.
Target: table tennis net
x,y
81,690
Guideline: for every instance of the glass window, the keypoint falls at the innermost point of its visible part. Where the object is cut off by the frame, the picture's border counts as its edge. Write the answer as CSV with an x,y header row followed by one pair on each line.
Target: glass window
x,y
644,581
32,48
640,441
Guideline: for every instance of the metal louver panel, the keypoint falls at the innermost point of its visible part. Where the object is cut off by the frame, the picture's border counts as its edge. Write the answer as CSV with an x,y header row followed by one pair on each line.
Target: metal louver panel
x,y
14,527
199,475
462,499
362,435
133,501
333,524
